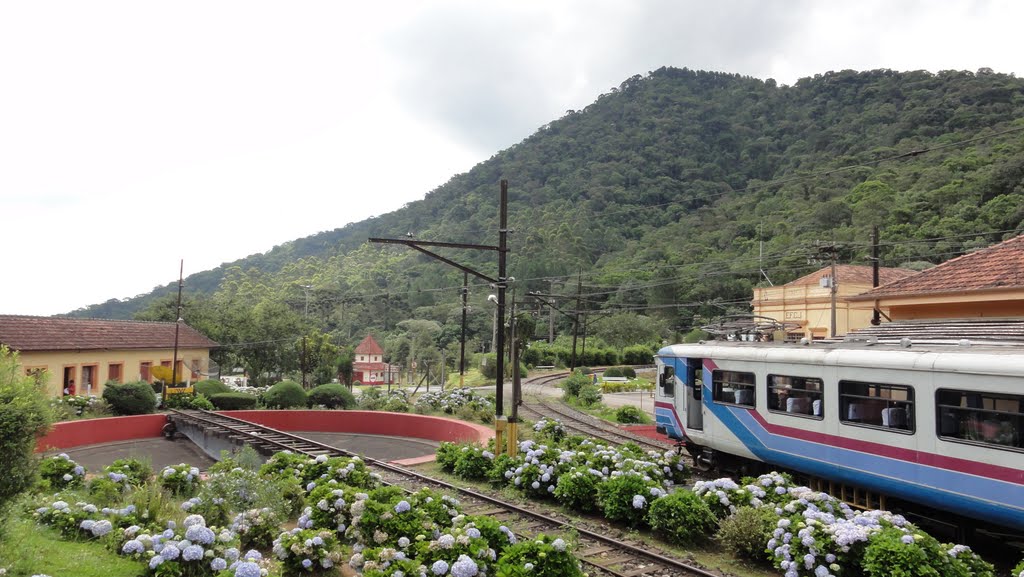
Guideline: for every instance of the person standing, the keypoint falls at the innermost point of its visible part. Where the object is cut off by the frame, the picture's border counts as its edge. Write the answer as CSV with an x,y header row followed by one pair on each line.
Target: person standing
x,y
69,389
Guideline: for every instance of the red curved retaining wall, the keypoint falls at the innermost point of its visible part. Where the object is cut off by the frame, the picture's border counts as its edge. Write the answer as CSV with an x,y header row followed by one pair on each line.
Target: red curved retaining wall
x,y
370,423
93,431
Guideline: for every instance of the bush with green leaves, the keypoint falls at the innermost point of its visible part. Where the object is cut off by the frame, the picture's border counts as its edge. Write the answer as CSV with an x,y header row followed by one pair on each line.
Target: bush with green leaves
x,y
627,414
907,552
543,556
187,401
308,551
637,355
138,471
234,401
575,383
627,497
447,455
211,387
331,396
576,488
285,395
61,472
474,462
226,493
182,479
682,518
257,528
333,470
378,522
135,398
71,407
745,532
590,395
106,491
550,429
328,507
1018,571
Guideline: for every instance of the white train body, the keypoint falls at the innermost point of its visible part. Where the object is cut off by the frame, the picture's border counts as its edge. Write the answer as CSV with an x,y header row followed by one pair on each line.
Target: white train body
x,y
943,428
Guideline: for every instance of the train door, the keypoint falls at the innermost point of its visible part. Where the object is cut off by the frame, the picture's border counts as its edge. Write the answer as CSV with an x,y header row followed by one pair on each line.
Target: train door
x,y
694,381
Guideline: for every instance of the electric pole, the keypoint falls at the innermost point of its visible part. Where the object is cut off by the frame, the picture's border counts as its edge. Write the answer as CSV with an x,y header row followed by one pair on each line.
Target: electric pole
x,y
462,339
177,326
831,250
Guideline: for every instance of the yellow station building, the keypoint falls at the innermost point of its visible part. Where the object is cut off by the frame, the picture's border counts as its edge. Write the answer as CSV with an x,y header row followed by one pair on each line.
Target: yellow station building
x,y
92,352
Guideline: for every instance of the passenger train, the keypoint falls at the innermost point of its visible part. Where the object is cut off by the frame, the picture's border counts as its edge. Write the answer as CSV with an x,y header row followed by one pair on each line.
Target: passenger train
x,y
942,427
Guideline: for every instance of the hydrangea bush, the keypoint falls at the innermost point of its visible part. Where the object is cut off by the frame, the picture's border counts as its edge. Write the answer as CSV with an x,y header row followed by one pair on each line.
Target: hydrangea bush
x,y
551,429
311,551
61,472
182,479
543,556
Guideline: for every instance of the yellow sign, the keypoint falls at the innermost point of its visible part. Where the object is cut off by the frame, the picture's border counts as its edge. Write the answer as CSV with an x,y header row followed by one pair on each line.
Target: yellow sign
x,y
177,390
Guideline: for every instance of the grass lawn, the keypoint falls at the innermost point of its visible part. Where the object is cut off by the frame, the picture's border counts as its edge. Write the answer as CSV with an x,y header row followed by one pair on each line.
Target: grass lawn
x,y
28,549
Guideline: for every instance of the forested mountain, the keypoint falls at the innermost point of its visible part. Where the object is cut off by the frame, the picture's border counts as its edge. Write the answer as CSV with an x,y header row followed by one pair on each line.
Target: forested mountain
x,y
674,194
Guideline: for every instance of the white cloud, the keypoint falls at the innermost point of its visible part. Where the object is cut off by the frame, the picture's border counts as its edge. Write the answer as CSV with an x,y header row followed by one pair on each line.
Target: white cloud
x,y
133,134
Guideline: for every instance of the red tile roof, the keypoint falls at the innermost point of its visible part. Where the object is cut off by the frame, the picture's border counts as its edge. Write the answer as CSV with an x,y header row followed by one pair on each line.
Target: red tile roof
x,y
1000,266
26,333
368,346
852,273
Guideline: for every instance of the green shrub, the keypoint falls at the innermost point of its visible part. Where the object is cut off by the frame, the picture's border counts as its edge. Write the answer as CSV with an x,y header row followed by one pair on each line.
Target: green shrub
x,y
396,405
576,489
135,398
447,455
637,355
590,395
332,396
233,401
547,557
501,463
629,414
105,491
61,472
683,518
625,498
138,471
187,401
1018,569
612,372
574,383
285,395
211,387
746,532
474,462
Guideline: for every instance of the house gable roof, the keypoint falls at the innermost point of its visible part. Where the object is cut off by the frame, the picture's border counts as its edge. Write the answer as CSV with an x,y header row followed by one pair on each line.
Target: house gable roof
x,y
855,274
28,333
1000,266
368,346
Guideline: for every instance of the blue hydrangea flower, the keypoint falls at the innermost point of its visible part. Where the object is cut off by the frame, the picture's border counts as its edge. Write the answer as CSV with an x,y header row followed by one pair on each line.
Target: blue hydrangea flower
x,y
155,561
307,563
247,569
218,564
133,546
252,555
464,567
558,544
170,552
439,567
639,501
402,506
192,553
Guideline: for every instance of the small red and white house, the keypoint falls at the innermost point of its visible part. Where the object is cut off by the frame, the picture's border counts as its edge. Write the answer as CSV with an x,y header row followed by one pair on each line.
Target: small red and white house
x,y
369,367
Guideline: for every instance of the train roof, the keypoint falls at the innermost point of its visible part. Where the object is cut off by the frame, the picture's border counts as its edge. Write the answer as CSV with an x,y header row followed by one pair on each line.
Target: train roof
x,y
966,358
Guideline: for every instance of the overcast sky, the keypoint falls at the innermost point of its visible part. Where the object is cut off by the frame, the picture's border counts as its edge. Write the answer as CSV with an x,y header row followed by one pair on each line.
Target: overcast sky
x,y
134,134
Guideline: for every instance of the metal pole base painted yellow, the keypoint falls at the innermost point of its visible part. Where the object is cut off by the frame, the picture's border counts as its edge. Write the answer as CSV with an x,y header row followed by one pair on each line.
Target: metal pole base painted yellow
x,y
512,432
500,424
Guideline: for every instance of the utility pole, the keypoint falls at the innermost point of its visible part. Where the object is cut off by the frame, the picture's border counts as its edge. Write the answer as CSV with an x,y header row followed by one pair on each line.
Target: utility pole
x,y
462,339
576,320
875,313
551,317
501,283
177,326
831,250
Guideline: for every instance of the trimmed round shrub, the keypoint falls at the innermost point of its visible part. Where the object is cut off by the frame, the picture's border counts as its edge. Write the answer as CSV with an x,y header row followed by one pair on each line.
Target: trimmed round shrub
x,y
745,532
233,401
625,498
211,387
612,372
575,383
682,517
629,414
188,401
590,395
135,398
637,355
285,395
332,396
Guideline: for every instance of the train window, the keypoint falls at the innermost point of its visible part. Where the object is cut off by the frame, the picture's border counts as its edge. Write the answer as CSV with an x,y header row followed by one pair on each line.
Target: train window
x,y
668,381
733,387
988,418
796,396
877,405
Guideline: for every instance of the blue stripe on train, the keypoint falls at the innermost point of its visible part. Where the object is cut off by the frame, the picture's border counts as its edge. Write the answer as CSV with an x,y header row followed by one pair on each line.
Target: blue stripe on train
x,y
949,490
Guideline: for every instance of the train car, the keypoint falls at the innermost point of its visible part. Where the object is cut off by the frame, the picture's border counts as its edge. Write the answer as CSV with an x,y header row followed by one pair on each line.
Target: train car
x,y
942,427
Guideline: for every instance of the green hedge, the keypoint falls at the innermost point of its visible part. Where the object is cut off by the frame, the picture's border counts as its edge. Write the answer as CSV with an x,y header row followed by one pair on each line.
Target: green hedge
x,y
233,401
135,398
332,396
285,395
211,387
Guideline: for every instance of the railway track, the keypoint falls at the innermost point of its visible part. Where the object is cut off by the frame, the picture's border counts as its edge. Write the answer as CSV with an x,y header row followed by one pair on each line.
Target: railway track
x,y
537,404
602,553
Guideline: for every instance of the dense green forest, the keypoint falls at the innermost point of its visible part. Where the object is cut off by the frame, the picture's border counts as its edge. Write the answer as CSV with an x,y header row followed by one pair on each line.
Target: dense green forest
x,y
668,199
